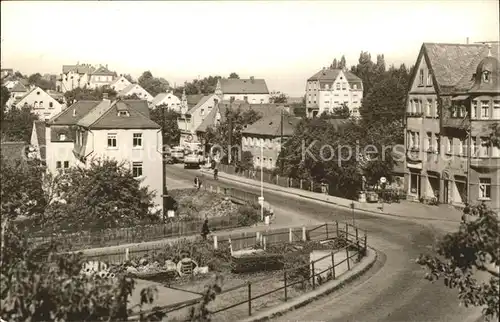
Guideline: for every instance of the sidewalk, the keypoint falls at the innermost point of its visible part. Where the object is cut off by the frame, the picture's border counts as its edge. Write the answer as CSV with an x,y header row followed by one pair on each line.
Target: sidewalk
x,y
405,209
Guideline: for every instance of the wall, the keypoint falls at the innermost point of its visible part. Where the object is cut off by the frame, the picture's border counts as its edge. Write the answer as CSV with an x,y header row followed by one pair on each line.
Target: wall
x,y
339,92
72,80
100,80
120,84
140,92
312,96
252,98
149,154
172,102
41,103
58,151
271,149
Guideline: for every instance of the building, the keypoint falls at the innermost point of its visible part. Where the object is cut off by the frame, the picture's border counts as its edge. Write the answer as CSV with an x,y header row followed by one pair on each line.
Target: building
x,y
253,91
120,83
84,76
189,121
119,130
17,91
168,100
332,88
137,90
453,105
6,72
41,103
267,133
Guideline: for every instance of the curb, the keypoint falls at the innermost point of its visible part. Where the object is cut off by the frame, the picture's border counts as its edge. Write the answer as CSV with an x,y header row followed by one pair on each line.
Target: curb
x,y
325,289
366,211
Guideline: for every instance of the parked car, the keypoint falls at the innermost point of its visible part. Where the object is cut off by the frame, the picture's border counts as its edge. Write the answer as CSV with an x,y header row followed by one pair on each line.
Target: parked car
x,y
193,160
177,154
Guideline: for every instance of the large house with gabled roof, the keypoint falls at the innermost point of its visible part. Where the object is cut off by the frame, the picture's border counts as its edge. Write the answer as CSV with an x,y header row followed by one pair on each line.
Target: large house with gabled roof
x,y
329,89
252,90
84,76
120,130
453,106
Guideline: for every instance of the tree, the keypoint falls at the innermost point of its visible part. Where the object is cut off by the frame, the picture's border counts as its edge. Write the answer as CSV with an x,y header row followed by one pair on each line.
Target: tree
x,y
234,76
37,80
278,98
17,123
204,86
341,112
153,85
380,65
129,78
79,94
342,63
246,162
131,97
4,98
171,132
461,256
334,64
102,195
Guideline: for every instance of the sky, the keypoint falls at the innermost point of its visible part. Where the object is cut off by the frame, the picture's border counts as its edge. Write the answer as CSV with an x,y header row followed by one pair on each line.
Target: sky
x,y
284,42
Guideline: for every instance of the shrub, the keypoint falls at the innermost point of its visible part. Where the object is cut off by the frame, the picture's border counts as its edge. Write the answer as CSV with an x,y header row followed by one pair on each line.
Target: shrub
x,y
248,215
257,263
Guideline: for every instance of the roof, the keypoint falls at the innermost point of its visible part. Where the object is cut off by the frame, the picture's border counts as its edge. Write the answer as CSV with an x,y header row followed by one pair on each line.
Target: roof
x,y
111,120
66,117
80,69
243,86
451,62
13,150
126,90
103,71
121,78
466,83
95,113
160,97
19,88
193,99
40,135
264,110
203,100
271,125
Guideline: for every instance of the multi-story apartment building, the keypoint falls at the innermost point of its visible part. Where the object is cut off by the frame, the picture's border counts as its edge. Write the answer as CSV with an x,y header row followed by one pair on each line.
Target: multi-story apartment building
x,y
332,88
452,108
253,91
120,130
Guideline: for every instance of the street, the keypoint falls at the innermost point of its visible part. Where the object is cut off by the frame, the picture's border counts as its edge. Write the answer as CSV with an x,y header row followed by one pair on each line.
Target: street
x,y
393,290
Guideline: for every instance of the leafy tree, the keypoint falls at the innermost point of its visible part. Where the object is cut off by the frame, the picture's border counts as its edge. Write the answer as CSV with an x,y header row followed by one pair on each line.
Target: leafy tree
x,y
102,195
153,85
171,131
79,94
341,112
200,312
17,123
204,86
37,80
278,98
4,98
234,76
246,162
494,137
463,255
129,78
19,75
131,97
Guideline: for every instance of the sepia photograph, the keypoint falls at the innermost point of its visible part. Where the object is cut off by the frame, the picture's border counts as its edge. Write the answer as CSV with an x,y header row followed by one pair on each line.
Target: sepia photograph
x,y
288,161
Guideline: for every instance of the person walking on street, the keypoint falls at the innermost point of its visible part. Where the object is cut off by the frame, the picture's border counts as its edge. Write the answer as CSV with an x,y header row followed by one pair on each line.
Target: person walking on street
x,y
205,230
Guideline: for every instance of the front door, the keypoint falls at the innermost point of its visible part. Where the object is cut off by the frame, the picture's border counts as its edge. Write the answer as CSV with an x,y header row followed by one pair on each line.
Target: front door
x,y
446,198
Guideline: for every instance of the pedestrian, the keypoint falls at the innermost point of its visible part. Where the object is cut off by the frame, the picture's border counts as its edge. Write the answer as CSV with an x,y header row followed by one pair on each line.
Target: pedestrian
x,y
199,183
216,172
205,230
196,181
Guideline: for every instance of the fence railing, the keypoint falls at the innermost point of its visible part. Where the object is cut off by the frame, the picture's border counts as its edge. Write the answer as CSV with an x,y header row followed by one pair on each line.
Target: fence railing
x,y
145,233
327,267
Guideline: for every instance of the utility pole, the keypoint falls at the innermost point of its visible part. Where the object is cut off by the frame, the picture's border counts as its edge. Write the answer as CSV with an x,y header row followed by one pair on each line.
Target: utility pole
x,y
230,150
164,164
281,140
469,155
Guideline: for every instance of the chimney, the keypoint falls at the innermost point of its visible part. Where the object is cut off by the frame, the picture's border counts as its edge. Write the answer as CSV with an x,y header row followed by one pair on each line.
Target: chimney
x,y
252,79
467,40
104,96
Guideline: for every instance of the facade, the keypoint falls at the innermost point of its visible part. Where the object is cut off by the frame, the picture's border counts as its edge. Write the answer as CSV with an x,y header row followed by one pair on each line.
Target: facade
x,y
120,130
190,121
331,88
41,103
120,83
253,91
266,132
84,76
452,108
169,100
136,89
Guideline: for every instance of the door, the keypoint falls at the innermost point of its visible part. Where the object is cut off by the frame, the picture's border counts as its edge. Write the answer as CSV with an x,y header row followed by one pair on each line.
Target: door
x,y
446,191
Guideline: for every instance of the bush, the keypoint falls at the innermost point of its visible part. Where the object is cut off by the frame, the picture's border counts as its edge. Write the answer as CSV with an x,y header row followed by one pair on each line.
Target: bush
x,y
248,215
257,263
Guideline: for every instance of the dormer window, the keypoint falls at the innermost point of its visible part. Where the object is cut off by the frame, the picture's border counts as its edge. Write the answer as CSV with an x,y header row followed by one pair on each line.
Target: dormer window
x,y
62,137
123,113
486,76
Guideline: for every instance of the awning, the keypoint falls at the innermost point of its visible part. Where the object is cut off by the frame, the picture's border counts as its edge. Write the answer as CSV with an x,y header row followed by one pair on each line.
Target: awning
x,y
460,98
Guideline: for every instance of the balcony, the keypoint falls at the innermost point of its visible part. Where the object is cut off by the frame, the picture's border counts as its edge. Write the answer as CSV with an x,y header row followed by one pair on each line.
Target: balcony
x,y
454,122
485,162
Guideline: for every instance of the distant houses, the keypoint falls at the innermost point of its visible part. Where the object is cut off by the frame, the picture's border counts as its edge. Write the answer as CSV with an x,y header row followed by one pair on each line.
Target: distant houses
x,y
253,91
137,90
84,76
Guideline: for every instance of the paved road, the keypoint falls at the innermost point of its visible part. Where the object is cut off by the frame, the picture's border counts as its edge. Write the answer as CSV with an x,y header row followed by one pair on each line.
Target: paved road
x,y
394,289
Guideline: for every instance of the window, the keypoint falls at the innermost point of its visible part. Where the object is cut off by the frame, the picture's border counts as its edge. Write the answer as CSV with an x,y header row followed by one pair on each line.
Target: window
x,y
344,85
136,169
496,110
38,93
448,144
327,102
437,146
337,86
202,112
421,78
327,86
62,137
51,105
123,113
58,165
485,109
270,162
245,98
429,78
486,76
112,140
41,104
473,147
355,86
137,140
414,183
463,147
484,188
428,111
485,148
474,110
428,138
66,164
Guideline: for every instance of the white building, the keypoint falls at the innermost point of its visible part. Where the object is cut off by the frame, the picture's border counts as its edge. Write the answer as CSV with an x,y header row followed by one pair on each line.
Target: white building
x,y
84,76
41,103
101,76
190,121
169,100
331,88
253,91
17,91
136,89
120,84
120,130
